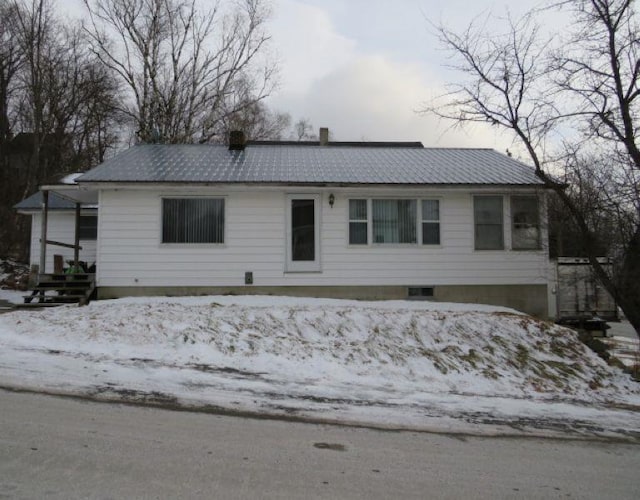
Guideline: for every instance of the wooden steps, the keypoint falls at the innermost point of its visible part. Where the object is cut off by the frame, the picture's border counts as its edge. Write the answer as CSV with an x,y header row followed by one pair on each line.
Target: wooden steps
x,y
59,289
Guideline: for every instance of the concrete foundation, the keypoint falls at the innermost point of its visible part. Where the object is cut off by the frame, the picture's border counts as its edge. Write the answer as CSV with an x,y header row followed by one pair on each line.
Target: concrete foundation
x,y
531,299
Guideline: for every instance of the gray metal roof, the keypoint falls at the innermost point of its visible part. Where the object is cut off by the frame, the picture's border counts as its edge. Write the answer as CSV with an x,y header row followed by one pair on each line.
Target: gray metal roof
x,y
290,164
34,202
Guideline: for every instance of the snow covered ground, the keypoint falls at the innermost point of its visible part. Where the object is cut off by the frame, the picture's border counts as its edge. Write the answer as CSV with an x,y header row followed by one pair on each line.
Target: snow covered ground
x,y
398,364
12,296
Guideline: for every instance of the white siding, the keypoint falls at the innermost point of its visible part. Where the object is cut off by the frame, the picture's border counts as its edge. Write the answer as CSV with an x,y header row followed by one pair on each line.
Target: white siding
x,y
131,252
60,227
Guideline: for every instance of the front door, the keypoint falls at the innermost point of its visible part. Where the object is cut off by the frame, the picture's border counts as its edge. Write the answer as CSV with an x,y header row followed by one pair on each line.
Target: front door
x,y
303,233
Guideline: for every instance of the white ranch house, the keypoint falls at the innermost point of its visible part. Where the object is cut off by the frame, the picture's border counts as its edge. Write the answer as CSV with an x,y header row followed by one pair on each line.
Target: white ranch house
x,y
356,220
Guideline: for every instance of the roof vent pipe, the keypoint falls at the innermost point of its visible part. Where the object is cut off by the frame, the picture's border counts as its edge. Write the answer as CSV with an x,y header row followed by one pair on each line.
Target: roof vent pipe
x,y
324,136
237,140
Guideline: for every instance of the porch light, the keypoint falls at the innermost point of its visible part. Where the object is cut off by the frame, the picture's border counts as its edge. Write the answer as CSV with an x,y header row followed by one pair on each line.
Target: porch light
x,y
332,200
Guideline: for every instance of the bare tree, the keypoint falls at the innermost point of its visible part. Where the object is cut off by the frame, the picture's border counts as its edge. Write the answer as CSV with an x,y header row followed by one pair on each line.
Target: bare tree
x,y
257,121
59,109
11,59
188,71
572,103
303,130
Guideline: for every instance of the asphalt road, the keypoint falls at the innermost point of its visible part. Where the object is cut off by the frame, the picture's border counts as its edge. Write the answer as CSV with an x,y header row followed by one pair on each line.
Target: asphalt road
x,y
63,448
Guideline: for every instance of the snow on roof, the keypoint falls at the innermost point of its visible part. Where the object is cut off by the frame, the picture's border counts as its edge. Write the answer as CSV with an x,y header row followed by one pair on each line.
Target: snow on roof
x,y
71,178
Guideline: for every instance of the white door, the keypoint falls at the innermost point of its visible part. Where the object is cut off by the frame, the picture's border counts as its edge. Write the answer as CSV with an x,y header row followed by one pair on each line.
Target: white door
x,y
303,233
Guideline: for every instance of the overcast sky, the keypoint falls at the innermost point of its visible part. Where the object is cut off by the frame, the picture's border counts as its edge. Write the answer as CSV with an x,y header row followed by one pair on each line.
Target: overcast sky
x,y
363,67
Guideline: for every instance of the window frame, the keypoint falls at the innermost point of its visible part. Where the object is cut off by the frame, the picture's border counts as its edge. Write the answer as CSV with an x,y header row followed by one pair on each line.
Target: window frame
x,y
358,221
418,221
475,223
537,223
424,221
416,227
221,198
303,266
81,228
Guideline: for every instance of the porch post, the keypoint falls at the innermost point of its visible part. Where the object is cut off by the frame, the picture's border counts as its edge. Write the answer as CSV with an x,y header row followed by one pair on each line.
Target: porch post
x,y
43,231
76,249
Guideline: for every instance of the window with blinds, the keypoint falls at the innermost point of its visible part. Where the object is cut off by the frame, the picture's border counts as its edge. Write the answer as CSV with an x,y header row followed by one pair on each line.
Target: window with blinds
x,y
193,220
394,221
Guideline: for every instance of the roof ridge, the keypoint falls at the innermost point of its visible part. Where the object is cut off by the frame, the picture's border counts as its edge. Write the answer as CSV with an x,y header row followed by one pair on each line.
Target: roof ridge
x,y
364,144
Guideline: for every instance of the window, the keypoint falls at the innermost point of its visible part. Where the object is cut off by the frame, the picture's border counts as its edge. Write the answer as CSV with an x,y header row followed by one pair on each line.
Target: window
x,y
88,229
193,220
394,221
303,230
525,231
430,222
358,222
420,292
488,222
303,233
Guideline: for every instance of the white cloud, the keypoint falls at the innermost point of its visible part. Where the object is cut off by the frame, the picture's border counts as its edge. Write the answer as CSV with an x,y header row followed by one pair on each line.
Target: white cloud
x,y
359,95
373,98
307,44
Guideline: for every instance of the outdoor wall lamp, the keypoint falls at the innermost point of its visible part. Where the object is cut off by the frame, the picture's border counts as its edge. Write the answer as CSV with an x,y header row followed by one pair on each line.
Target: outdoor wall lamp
x,y
332,200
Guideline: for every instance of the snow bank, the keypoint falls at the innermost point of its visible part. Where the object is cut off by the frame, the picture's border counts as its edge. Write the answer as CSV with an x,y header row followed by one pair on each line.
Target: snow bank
x,y
229,351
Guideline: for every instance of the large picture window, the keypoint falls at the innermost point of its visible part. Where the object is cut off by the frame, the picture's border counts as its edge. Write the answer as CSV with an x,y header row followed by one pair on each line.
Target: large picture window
x,y
488,222
389,221
193,220
525,223
394,221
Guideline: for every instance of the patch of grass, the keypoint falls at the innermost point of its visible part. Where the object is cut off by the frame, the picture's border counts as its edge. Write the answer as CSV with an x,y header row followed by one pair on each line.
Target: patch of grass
x,y
453,350
489,348
545,326
595,383
440,363
522,356
496,339
613,361
558,348
471,358
571,370
440,367
489,372
546,377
